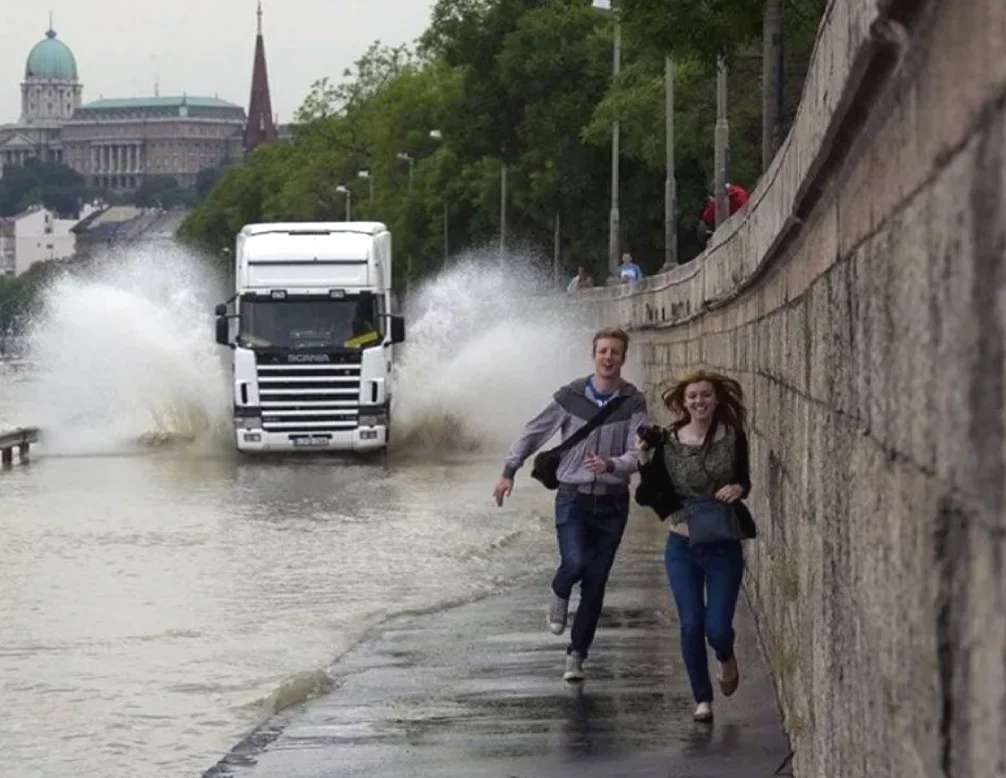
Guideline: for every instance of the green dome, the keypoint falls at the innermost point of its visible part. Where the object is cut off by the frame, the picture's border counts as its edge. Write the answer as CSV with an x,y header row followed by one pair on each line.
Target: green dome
x,y
52,60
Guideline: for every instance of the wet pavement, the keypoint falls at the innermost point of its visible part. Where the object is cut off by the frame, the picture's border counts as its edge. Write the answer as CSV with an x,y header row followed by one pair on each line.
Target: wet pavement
x,y
477,690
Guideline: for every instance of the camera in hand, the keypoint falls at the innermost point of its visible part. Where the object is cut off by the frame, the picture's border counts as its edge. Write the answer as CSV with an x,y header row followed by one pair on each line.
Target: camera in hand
x,y
652,436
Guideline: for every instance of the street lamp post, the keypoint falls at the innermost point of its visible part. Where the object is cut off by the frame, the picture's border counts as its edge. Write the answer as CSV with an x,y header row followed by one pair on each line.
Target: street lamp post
x,y
406,157
670,182
370,180
349,200
722,143
437,135
614,220
502,208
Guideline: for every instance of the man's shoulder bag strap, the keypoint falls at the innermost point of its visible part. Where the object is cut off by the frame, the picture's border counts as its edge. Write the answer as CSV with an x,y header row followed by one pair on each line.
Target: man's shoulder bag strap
x,y
595,421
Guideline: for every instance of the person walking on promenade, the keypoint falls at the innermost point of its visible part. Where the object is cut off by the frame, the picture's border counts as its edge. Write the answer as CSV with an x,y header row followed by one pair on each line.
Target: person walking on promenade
x,y
591,470
696,473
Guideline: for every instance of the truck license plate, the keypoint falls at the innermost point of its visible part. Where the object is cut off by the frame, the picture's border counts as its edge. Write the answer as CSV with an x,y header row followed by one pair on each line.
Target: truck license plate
x,y
310,442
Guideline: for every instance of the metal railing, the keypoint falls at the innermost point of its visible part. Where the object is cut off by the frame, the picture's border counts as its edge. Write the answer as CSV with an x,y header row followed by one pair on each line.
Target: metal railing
x,y
20,439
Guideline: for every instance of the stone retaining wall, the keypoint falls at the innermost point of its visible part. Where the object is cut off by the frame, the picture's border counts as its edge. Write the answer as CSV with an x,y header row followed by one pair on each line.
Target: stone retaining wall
x,y
860,298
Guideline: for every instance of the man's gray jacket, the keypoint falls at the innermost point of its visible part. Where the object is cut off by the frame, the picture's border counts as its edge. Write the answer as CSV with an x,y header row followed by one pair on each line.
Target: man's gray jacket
x,y
615,440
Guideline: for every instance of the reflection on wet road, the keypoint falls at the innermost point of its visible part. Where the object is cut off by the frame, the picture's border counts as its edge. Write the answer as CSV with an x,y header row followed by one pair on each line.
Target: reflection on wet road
x,y
477,691
156,607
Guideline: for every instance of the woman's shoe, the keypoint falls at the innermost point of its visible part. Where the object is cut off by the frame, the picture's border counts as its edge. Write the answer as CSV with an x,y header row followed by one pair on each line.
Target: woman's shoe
x,y
728,675
704,712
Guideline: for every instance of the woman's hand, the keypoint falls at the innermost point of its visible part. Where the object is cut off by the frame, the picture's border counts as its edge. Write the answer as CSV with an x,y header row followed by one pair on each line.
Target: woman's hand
x,y
730,493
644,452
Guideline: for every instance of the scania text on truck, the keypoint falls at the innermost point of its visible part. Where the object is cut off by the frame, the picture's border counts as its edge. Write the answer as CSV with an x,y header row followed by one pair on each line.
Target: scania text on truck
x,y
312,331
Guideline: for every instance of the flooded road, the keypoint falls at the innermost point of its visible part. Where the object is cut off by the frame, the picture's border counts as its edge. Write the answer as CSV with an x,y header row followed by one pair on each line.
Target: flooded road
x,y
156,607
162,595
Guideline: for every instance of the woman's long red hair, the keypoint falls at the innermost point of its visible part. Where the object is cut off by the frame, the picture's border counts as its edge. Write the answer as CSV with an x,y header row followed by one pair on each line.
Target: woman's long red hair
x,y
730,408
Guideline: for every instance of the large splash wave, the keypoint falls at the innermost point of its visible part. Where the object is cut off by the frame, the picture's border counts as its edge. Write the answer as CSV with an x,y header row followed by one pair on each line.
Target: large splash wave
x,y
488,342
124,355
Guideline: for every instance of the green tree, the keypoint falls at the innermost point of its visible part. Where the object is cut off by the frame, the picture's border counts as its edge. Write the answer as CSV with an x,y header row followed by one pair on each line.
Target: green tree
x,y
55,186
526,83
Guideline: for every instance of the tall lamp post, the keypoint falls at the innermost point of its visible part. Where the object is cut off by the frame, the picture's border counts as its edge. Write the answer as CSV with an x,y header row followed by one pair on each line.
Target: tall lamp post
x,y
670,182
614,219
404,156
437,135
349,200
722,143
370,180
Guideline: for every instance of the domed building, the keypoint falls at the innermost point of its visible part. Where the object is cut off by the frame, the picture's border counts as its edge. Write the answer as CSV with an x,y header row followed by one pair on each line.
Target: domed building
x,y
50,93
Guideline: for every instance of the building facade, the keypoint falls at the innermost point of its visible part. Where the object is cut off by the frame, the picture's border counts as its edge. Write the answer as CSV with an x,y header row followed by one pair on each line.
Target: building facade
x,y
116,144
35,235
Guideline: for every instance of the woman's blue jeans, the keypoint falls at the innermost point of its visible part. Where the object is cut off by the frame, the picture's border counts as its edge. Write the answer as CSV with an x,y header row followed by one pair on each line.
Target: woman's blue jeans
x,y
705,581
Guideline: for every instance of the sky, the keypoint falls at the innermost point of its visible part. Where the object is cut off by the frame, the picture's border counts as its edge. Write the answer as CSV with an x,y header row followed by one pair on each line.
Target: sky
x,y
202,47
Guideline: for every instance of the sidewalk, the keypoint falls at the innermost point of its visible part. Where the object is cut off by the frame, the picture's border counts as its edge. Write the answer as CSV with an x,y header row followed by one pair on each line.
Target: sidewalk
x,y
477,691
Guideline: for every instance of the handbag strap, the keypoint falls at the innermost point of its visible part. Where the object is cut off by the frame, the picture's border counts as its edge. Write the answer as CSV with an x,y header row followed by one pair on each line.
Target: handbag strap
x,y
595,421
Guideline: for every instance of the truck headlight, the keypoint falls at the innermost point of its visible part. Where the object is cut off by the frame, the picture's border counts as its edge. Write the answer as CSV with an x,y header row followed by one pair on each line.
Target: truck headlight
x,y
248,422
373,419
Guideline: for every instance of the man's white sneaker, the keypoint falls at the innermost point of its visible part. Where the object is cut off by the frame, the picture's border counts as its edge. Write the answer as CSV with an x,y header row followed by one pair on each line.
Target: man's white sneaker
x,y
558,611
574,667
704,712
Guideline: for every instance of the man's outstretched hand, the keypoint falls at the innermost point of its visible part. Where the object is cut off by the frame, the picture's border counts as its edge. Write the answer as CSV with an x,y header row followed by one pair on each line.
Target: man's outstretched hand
x,y
502,489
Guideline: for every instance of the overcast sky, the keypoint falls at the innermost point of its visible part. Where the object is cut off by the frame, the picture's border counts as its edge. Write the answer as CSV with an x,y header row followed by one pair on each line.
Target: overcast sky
x,y
202,47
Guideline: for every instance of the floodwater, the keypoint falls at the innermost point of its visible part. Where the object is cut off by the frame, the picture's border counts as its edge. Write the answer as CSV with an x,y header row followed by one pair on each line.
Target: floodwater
x,y
162,595
156,607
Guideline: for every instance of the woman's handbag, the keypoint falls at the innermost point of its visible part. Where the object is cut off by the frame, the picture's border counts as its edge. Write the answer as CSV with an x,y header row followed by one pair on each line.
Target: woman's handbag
x,y
709,521
546,464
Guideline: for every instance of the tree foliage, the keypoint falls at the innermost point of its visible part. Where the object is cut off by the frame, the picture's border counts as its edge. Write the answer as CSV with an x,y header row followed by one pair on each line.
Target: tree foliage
x,y
56,186
528,84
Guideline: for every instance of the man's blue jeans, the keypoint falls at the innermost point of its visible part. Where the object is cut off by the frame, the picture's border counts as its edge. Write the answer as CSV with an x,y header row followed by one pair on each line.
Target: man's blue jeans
x,y
705,581
589,531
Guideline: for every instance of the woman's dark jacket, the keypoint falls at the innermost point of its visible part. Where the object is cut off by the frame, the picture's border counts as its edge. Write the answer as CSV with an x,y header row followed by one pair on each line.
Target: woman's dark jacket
x,y
656,490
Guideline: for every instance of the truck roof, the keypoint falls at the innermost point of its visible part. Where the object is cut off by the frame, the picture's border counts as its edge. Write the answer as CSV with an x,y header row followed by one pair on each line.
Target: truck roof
x,y
362,228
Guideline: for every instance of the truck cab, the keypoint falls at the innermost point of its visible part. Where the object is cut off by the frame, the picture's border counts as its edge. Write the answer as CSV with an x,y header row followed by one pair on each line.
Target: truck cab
x,y
312,330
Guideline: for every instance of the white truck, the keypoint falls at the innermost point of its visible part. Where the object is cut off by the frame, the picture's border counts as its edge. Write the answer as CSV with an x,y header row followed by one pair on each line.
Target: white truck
x,y
311,330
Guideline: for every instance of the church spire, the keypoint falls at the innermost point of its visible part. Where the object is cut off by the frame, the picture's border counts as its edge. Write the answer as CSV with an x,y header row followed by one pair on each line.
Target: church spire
x,y
260,128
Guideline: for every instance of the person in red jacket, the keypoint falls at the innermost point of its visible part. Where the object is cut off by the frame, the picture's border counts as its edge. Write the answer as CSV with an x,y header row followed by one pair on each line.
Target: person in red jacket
x,y
737,196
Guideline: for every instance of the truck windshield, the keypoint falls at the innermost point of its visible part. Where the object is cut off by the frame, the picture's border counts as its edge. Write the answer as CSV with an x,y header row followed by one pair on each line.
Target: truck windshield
x,y
309,323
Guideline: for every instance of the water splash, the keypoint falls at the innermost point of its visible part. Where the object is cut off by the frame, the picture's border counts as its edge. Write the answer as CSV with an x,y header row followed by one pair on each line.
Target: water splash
x,y
126,357
488,343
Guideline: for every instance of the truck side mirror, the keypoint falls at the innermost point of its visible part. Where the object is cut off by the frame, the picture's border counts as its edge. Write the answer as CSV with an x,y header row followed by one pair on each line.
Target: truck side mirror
x,y
220,310
223,331
397,329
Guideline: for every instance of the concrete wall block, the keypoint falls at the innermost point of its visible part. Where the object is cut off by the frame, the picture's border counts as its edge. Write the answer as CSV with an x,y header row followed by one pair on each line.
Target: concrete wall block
x,y
840,346
865,337
911,669
816,340
694,353
912,356
982,671
950,237
854,205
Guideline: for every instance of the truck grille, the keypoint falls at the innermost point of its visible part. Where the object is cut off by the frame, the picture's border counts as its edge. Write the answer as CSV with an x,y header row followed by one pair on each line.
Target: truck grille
x,y
309,398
